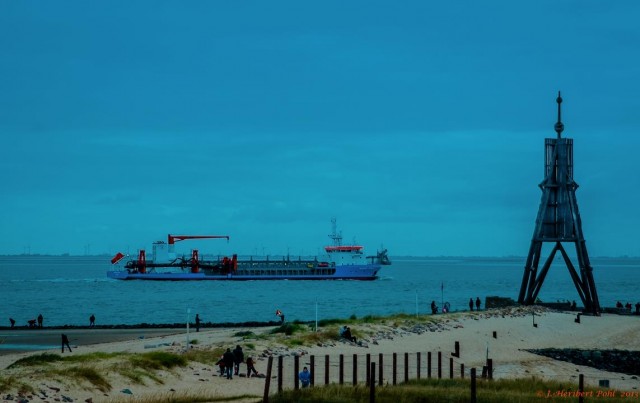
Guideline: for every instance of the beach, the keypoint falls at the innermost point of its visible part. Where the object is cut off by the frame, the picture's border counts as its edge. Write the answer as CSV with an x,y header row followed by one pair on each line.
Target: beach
x,y
513,328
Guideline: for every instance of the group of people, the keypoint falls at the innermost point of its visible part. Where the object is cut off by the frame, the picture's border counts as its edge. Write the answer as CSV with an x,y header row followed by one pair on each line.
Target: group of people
x,y
478,303
345,332
230,361
627,306
38,322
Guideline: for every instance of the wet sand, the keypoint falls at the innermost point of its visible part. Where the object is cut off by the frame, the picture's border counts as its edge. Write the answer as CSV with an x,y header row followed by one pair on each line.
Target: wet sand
x,y
47,337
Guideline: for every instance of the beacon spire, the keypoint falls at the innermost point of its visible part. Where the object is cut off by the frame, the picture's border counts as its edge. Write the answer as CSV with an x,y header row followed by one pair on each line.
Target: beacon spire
x,y
559,125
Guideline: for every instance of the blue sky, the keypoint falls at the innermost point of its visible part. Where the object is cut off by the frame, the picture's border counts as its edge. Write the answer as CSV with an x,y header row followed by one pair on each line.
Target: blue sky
x,y
418,125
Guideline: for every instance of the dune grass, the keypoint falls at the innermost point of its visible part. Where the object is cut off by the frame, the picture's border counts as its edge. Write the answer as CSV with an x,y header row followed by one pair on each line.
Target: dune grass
x,y
9,383
529,390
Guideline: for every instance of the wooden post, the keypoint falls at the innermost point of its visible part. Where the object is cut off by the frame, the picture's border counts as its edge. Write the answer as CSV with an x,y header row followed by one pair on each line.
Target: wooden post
x,y
326,369
280,370
341,371
495,334
312,364
450,367
355,369
296,371
473,385
490,368
439,364
381,367
406,367
429,364
395,368
418,364
462,370
456,350
372,383
581,388
368,368
265,397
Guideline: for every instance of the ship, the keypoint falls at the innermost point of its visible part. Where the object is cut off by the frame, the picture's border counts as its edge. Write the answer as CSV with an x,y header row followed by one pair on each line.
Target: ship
x,y
340,262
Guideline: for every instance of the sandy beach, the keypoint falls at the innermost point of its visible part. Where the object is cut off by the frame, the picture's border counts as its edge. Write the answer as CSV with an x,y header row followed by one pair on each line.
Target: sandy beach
x,y
513,328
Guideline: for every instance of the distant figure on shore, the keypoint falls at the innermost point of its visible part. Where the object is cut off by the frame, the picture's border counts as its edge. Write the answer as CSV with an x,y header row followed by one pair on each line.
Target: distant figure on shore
x,y
238,358
251,367
471,304
478,303
12,321
65,342
628,306
228,359
347,335
32,322
40,319
281,315
637,309
305,377
619,305
434,308
573,305
92,320
197,322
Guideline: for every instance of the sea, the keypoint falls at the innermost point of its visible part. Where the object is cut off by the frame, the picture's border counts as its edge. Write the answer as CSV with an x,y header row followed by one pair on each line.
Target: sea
x,y
66,290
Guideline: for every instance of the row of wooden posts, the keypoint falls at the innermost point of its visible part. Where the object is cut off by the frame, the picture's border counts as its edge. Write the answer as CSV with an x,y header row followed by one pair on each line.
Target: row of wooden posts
x,y
370,376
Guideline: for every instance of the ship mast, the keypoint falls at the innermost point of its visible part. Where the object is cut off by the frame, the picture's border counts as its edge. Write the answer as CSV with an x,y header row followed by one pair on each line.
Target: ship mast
x,y
335,236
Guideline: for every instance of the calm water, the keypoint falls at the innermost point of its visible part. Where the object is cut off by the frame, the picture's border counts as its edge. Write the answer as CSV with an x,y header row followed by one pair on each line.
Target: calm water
x,y
67,290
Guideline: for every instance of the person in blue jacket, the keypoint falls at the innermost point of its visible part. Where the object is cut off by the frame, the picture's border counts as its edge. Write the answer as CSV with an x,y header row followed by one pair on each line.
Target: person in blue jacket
x,y
305,377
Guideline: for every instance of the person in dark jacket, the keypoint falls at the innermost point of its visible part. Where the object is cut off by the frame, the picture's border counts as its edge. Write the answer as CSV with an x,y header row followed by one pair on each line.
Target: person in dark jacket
x,y
197,322
251,367
65,342
478,303
238,358
228,359
92,320
471,304
12,321
40,319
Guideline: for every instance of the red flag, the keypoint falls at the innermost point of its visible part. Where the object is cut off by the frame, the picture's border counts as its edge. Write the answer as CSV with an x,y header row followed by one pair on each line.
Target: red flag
x,y
117,258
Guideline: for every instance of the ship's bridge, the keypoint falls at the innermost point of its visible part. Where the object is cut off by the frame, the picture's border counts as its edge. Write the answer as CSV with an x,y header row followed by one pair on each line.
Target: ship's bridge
x,y
347,254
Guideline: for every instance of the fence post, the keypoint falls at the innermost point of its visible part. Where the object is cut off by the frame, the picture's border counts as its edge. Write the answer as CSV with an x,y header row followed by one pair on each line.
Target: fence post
x,y
341,372
490,368
456,352
280,369
355,369
450,367
326,369
462,370
265,397
368,368
418,364
439,364
312,364
406,367
395,367
296,371
473,385
381,367
429,364
581,388
372,383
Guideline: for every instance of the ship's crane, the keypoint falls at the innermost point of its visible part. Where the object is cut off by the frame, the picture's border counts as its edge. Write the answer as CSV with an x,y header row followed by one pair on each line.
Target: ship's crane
x,y
172,239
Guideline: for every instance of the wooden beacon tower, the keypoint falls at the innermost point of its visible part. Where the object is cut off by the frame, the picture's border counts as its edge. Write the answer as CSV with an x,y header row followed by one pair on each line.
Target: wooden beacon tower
x,y
559,222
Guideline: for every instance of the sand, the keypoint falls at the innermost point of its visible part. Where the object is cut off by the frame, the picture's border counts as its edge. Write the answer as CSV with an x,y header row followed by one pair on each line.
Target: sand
x,y
514,330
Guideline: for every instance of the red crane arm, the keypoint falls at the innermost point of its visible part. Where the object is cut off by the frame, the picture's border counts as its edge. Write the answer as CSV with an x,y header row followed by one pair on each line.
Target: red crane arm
x,y
177,238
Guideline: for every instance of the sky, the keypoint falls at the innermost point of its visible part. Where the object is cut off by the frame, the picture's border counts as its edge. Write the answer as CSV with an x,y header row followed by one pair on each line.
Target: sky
x,y
418,125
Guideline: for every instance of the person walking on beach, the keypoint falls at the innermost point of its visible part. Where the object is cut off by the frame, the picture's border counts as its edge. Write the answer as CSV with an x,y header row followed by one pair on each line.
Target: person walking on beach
x,y
197,322
305,377
281,315
434,308
238,358
65,342
12,321
478,303
471,304
92,320
251,367
40,319
229,360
